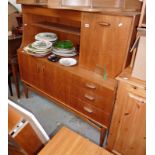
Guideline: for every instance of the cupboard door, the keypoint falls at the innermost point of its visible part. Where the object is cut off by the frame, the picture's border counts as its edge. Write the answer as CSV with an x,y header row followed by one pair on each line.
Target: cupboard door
x,y
107,44
57,82
31,70
127,133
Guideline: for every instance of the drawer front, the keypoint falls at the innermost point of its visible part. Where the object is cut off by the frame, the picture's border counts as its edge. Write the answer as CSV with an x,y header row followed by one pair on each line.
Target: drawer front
x,y
103,101
90,111
80,82
89,85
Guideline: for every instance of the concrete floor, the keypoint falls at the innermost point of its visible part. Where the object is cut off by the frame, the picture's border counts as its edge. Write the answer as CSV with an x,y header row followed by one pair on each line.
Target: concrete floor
x,y
52,116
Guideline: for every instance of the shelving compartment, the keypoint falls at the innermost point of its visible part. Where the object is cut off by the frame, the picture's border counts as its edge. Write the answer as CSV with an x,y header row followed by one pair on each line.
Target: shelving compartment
x,y
66,29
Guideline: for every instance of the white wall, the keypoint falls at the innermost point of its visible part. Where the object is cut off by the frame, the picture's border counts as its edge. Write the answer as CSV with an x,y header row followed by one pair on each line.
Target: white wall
x,y
18,6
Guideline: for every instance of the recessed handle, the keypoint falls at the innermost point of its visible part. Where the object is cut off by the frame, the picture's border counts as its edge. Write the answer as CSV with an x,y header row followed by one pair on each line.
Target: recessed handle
x,y
88,110
104,24
91,85
89,97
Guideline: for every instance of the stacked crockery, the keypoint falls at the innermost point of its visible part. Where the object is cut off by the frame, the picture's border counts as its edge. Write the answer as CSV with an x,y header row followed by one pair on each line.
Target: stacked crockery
x,y
43,45
39,48
64,48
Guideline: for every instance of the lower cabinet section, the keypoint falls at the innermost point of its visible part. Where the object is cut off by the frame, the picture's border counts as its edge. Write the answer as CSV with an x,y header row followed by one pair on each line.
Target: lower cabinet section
x,y
82,90
128,128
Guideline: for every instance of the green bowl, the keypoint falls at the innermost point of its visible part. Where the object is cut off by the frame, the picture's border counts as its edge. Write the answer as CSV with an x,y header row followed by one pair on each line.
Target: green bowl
x,y
65,44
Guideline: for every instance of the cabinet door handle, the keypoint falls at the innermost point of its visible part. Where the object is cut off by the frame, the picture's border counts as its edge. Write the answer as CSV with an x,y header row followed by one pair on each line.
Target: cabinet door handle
x,y
104,24
90,85
89,97
87,110
137,98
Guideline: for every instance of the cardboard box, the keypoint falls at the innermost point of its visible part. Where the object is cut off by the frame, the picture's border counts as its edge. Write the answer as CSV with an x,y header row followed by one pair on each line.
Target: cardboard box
x,y
139,68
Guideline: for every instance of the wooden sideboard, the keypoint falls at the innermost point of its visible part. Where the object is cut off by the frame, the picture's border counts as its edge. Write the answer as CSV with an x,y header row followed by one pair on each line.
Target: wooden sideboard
x,y
128,127
103,39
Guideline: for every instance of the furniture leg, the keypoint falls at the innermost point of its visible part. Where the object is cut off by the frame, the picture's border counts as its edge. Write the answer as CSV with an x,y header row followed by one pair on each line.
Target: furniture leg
x,y
102,136
9,83
25,90
15,77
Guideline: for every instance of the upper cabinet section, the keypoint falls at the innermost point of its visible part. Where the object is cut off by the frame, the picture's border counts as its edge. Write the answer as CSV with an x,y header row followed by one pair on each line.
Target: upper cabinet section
x,y
35,2
95,5
88,5
105,42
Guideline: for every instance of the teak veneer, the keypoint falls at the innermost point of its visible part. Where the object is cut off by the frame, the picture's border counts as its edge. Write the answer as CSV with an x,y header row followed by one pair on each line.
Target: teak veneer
x,y
103,40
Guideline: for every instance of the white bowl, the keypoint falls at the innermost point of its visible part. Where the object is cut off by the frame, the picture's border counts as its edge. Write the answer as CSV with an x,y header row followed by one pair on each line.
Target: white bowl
x,y
68,61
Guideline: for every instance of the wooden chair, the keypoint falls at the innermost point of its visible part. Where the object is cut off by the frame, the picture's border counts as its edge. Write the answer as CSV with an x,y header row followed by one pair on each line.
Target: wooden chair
x,y
13,45
13,71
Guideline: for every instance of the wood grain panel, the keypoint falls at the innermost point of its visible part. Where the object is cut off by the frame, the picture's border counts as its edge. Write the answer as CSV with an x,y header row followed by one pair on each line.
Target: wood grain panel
x,y
107,44
128,129
28,140
68,142
13,118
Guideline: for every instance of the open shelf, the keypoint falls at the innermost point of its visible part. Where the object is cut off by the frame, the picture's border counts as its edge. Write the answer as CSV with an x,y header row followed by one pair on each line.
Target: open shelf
x,y
58,27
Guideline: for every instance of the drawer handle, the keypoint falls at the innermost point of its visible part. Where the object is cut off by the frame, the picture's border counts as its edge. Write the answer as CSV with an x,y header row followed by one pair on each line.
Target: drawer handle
x,y
89,97
90,85
104,24
88,110
139,99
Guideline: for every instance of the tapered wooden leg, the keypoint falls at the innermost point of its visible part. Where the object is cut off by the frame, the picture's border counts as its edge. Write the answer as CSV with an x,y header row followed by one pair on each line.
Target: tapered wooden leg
x,y
25,90
102,136
15,77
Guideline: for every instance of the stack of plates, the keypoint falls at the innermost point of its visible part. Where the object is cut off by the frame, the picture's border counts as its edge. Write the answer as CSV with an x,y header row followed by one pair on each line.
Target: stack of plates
x,y
39,48
65,52
46,36
64,48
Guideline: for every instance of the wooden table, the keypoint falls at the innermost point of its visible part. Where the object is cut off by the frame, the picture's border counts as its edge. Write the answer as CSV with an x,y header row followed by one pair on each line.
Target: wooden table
x,y
67,142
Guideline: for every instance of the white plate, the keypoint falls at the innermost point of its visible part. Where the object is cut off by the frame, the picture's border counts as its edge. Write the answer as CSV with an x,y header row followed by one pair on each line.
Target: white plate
x,y
34,50
41,45
38,55
65,54
68,61
64,51
46,36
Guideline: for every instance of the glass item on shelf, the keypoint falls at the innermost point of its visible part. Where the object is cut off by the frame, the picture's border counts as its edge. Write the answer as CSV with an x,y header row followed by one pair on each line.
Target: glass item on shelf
x,y
63,44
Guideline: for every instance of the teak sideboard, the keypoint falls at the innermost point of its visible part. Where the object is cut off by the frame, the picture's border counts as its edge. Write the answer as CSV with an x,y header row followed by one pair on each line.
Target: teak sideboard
x,y
103,41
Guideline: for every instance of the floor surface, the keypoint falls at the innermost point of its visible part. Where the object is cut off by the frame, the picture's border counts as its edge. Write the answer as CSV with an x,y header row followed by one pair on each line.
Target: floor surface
x,y
52,116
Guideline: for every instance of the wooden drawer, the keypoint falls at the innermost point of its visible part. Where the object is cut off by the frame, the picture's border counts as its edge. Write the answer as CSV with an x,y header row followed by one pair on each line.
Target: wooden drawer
x,y
90,111
94,86
103,101
81,82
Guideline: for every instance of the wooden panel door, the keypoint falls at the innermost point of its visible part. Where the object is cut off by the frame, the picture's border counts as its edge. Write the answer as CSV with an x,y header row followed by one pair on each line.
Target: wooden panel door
x,y
31,70
44,75
57,82
104,42
128,129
